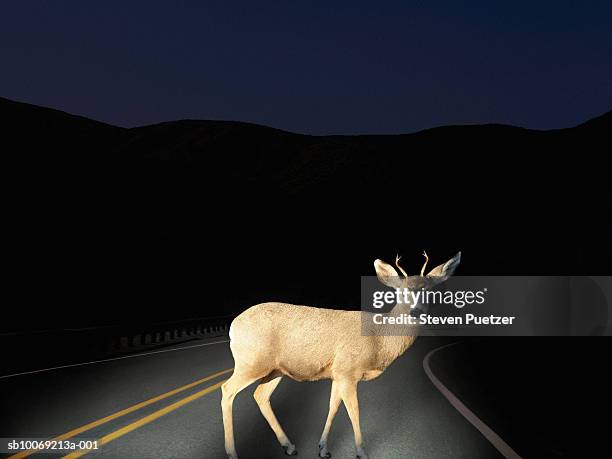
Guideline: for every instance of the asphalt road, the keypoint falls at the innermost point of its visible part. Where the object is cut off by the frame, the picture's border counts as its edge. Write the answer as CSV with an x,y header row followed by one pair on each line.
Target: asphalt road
x,y
403,414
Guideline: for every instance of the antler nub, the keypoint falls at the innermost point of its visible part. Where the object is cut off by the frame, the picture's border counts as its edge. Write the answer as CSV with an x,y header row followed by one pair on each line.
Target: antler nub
x,y
425,264
397,259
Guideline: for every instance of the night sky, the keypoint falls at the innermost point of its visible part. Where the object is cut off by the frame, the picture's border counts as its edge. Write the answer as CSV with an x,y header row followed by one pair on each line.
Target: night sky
x,y
312,67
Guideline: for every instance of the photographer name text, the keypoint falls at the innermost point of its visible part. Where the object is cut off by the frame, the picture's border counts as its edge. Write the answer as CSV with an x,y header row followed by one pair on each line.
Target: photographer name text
x,y
426,319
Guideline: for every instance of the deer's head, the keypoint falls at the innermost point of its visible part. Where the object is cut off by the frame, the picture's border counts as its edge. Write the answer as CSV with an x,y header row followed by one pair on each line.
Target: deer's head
x,y
390,277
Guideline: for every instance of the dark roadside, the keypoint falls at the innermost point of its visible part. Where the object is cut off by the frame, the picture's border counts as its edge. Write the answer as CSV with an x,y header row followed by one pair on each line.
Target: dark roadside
x,y
546,397
36,350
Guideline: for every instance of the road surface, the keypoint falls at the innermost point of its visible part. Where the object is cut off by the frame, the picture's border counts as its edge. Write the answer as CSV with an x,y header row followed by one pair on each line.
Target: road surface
x,y
167,405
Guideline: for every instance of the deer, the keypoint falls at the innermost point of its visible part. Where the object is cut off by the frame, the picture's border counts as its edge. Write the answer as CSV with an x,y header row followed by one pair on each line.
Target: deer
x,y
273,340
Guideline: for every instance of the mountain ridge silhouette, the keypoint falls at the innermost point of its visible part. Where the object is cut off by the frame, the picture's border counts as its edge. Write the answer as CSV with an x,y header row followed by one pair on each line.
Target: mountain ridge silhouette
x,y
153,215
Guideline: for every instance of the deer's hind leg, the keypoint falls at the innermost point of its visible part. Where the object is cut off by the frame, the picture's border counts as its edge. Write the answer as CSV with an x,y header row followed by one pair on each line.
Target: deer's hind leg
x,y
262,397
240,379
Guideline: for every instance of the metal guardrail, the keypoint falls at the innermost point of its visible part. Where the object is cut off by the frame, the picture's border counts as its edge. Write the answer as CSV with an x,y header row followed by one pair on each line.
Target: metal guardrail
x,y
126,337
23,350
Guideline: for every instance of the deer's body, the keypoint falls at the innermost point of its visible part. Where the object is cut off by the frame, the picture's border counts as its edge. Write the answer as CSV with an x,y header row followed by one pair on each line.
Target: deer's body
x,y
272,340
308,344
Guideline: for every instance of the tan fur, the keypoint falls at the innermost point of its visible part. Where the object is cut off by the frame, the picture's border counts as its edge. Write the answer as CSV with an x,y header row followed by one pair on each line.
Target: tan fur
x,y
304,343
272,340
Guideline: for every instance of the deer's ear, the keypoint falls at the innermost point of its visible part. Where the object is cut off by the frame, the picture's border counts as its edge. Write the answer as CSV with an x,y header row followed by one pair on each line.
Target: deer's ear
x,y
445,270
387,274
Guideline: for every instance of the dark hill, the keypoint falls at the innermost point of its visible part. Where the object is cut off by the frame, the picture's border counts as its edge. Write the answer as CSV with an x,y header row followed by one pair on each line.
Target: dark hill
x,y
600,123
210,216
38,131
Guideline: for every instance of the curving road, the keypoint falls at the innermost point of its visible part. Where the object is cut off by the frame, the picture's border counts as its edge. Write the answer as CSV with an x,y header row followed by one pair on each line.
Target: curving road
x,y
167,405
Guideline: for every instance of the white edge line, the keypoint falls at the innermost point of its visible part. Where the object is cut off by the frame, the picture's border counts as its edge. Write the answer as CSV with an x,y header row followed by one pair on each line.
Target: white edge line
x,y
110,359
468,414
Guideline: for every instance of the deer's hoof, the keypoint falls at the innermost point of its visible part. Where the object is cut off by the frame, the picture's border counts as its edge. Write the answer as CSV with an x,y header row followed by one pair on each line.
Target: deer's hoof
x,y
323,453
290,450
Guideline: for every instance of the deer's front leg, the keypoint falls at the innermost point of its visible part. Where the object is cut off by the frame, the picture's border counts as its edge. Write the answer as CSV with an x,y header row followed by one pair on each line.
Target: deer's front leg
x,y
348,392
334,403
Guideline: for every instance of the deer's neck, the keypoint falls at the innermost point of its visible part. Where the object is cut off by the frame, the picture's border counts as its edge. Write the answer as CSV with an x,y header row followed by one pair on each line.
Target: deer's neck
x,y
396,339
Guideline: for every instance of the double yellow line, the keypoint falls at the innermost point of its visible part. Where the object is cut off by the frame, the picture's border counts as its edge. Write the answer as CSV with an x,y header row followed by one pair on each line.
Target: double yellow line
x,y
140,422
